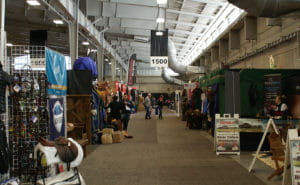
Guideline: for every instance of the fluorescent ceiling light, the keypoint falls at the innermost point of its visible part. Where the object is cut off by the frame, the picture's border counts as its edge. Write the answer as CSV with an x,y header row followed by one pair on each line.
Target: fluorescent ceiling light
x,y
33,2
85,43
93,50
58,21
109,63
160,20
106,59
162,1
159,33
26,51
9,44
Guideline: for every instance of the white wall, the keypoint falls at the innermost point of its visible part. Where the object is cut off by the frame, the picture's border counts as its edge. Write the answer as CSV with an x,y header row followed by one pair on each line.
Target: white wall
x,y
285,55
154,84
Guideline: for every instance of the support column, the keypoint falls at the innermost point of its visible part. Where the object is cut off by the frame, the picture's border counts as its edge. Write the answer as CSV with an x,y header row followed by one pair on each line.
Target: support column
x,y
214,54
250,25
121,74
100,63
2,35
223,48
73,35
202,61
73,41
234,39
208,62
113,69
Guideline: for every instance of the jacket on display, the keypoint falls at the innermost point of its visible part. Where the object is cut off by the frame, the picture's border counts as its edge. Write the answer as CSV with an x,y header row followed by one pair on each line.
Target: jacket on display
x,y
5,80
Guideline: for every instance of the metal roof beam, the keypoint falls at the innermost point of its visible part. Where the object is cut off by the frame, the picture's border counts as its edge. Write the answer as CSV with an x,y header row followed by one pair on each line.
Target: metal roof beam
x,y
185,23
183,32
212,2
182,39
83,21
180,44
190,13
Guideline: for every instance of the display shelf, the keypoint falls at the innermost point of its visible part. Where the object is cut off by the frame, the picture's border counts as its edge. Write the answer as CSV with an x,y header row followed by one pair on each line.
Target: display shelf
x,y
79,113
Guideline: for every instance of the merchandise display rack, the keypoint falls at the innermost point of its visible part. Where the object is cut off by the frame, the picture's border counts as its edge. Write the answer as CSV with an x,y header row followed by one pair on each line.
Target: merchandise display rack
x,y
4,119
4,116
27,109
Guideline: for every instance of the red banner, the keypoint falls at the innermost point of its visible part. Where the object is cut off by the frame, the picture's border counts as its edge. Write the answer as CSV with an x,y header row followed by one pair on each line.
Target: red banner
x,y
124,88
130,71
117,85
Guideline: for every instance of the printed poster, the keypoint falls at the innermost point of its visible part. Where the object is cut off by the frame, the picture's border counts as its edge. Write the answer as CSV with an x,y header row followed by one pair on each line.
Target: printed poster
x,y
57,120
227,136
295,161
272,88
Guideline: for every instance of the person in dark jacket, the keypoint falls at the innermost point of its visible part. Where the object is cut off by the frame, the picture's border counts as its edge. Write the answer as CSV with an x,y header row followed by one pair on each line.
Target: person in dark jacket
x,y
160,104
211,113
115,111
5,80
127,105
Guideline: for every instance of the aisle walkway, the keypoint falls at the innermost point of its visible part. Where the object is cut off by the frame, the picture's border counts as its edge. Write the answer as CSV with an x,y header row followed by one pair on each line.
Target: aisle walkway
x,y
162,152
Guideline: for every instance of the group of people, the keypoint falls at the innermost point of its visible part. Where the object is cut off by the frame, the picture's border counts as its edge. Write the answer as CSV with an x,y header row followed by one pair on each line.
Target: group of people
x,y
149,104
120,110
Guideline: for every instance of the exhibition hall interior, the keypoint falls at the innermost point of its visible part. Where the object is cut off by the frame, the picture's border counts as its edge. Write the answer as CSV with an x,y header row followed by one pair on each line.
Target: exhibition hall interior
x,y
149,92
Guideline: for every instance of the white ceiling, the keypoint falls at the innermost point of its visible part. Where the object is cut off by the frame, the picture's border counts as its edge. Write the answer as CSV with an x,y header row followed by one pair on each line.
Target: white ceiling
x,y
186,20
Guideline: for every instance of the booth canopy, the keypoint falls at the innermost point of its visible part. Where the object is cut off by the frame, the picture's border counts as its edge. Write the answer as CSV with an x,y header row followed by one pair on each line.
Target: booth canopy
x,y
216,77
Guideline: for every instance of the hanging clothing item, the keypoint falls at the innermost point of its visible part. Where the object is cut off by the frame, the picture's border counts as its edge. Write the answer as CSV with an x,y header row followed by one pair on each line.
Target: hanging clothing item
x,y
3,150
86,63
5,80
95,105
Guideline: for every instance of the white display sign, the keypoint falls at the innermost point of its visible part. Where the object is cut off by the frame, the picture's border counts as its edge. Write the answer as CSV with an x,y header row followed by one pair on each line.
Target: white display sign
x,y
227,137
189,85
38,64
25,62
159,61
21,61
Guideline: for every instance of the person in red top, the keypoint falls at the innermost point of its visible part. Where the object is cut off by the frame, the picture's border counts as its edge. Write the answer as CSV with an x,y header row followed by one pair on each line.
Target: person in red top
x,y
160,104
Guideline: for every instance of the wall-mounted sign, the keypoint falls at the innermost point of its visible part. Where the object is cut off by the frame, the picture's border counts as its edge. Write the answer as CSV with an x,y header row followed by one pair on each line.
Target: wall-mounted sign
x,y
159,48
25,62
189,85
272,88
159,61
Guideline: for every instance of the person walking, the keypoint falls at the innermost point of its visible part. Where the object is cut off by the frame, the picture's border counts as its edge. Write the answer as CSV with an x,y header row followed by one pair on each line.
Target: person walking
x,y
115,111
127,106
160,104
147,104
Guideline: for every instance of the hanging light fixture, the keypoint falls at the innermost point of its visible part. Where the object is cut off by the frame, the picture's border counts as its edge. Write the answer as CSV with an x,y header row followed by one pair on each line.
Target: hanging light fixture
x,y
33,2
162,1
85,43
160,20
58,21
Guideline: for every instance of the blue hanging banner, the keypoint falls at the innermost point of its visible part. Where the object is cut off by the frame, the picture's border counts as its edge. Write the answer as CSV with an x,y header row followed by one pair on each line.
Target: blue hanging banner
x,y
56,72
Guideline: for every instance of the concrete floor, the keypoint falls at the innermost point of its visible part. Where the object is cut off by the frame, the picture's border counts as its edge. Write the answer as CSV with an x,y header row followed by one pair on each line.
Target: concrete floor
x,y
164,152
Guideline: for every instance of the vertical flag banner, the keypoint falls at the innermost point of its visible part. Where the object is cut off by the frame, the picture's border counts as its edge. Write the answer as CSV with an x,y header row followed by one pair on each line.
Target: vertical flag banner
x,y
56,71
57,120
